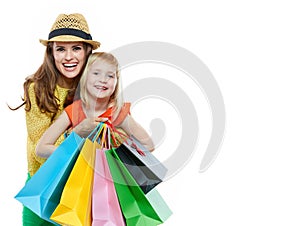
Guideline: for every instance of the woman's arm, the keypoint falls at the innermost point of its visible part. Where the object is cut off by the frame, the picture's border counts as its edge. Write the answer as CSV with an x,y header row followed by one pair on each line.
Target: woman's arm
x,y
37,123
131,127
46,144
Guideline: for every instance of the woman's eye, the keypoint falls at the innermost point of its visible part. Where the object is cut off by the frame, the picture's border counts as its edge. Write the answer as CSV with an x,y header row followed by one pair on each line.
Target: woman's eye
x,y
77,48
60,49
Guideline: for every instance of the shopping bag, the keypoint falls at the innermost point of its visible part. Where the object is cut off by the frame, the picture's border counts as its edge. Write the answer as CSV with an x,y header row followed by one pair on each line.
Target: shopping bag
x,y
41,194
74,207
138,208
105,204
145,168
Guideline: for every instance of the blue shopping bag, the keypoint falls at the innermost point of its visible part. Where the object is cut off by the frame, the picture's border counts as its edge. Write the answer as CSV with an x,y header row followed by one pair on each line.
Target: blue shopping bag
x,y
41,194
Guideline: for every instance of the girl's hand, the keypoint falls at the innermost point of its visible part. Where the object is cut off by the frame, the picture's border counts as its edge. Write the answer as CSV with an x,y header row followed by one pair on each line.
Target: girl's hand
x,y
84,128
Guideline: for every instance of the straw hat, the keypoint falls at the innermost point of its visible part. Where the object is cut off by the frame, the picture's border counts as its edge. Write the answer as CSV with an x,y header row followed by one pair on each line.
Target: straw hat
x,y
70,28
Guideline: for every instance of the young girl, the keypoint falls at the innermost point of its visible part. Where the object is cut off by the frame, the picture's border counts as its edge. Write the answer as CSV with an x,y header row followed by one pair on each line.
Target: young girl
x,y
99,97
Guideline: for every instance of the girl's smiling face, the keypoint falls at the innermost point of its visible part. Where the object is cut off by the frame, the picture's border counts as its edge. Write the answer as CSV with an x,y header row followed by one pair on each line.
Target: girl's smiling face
x,y
101,80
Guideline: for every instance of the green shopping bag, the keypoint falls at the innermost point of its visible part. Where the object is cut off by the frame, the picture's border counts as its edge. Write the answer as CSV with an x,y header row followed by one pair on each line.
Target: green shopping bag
x,y
138,208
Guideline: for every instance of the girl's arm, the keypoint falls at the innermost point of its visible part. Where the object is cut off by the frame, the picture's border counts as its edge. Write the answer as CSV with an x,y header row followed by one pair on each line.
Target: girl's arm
x,y
87,125
131,127
46,144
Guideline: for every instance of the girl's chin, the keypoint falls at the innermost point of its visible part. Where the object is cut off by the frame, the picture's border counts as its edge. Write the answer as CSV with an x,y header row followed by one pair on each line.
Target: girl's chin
x,y
102,97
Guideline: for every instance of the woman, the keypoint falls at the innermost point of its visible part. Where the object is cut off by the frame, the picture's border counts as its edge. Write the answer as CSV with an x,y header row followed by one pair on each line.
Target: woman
x,y
52,87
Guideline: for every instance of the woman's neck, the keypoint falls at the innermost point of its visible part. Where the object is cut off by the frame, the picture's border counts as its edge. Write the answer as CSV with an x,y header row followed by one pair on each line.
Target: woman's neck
x,y
65,82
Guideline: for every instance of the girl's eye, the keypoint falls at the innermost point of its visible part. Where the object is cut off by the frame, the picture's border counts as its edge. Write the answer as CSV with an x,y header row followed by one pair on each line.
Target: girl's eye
x,y
111,76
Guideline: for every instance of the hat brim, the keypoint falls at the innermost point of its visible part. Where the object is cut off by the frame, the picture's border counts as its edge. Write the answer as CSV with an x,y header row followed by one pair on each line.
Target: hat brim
x,y
70,38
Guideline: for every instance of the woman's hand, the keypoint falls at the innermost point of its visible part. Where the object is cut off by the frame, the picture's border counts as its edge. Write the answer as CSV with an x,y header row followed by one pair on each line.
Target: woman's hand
x,y
84,128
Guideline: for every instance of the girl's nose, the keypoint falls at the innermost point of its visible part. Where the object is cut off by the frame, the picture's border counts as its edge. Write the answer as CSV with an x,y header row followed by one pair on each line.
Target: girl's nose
x,y
102,78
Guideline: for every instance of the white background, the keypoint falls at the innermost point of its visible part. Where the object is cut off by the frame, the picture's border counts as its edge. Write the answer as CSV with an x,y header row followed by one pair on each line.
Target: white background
x,y
251,47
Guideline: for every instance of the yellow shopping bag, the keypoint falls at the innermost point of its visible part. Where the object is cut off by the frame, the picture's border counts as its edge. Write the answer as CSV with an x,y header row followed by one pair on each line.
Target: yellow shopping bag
x,y
75,203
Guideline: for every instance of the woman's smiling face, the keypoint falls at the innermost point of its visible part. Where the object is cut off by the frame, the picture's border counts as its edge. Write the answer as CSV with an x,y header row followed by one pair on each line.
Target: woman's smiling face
x,y
69,58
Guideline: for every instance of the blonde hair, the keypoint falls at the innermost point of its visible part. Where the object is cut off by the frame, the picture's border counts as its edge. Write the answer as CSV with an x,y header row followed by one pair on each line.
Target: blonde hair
x,y
116,99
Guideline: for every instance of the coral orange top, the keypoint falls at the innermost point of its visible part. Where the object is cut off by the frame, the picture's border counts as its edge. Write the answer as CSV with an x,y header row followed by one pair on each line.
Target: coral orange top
x,y
76,113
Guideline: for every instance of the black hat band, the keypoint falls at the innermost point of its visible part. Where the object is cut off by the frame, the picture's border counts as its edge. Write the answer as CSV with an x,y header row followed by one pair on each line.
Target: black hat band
x,y
70,31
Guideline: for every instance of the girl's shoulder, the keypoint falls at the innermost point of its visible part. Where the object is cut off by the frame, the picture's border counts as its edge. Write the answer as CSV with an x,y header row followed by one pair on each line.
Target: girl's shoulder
x,y
75,112
77,104
125,110
126,106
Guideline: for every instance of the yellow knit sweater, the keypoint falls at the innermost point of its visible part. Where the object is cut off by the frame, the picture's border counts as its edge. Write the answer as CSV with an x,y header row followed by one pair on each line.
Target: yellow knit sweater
x,y
37,123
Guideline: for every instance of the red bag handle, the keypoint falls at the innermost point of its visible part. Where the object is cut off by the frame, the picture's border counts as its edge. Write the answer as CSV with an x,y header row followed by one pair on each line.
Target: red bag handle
x,y
125,136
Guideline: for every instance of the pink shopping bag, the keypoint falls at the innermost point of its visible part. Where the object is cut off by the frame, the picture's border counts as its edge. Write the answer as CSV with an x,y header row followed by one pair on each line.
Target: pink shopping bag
x,y
105,204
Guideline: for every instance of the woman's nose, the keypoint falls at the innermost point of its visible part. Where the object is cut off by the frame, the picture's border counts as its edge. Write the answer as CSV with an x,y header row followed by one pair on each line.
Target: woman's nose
x,y
69,55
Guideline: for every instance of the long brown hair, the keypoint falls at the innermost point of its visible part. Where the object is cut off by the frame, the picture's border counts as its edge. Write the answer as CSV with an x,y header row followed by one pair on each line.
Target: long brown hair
x,y
45,80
